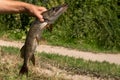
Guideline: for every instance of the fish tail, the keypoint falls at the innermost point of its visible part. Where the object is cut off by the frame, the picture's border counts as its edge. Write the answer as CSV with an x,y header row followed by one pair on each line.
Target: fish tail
x,y
33,59
24,70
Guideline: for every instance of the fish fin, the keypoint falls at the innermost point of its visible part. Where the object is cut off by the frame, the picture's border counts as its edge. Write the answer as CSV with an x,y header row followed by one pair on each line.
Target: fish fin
x,y
22,51
37,39
33,59
24,70
49,27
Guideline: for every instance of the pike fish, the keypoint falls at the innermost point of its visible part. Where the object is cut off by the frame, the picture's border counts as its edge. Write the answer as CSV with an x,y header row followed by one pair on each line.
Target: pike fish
x,y
34,35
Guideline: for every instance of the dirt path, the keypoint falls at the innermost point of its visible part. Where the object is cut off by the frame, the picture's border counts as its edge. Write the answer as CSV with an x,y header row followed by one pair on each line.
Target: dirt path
x,y
111,58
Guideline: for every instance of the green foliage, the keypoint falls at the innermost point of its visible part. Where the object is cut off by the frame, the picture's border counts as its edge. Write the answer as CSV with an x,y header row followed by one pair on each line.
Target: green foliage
x,y
16,34
91,22
96,23
10,21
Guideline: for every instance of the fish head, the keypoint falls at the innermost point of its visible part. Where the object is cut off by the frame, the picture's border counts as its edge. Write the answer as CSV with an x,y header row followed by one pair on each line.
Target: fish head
x,y
52,14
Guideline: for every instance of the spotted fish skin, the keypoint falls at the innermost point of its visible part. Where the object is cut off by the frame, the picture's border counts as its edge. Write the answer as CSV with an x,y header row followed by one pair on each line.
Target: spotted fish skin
x,y
34,35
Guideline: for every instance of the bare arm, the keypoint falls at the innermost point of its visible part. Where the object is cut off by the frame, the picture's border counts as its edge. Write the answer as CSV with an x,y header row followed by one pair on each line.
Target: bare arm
x,y
9,6
13,6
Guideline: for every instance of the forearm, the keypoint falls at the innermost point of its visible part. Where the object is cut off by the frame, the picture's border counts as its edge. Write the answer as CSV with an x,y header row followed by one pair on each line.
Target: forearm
x,y
7,6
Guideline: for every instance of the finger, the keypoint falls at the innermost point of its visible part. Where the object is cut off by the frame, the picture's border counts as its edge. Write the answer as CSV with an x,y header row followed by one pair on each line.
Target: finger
x,y
42,9
40,17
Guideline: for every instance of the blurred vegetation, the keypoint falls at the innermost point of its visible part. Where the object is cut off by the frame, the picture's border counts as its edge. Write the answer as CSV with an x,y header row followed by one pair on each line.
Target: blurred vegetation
x,y
86,23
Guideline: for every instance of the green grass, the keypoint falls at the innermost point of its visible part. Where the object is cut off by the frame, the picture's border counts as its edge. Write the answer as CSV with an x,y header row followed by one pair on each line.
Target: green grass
x,y
81,45
10,50
10,64
80,66
70,64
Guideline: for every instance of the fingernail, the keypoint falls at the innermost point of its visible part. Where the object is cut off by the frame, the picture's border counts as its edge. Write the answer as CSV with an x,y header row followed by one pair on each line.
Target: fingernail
x,y
42,20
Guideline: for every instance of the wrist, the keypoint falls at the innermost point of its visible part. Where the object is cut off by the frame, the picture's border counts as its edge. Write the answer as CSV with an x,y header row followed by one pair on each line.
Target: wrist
x,y
30,9
26,7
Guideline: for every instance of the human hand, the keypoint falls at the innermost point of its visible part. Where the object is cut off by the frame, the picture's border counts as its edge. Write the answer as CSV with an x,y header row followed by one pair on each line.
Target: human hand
x,y
11,6
37,11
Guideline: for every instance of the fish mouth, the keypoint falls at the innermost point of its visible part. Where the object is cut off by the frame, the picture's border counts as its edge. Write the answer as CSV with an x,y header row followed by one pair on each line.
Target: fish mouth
x,y
61,9
52,14
65,5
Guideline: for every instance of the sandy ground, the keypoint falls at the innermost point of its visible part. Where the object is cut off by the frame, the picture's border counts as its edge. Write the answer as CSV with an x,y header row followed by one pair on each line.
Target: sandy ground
x,y
111,58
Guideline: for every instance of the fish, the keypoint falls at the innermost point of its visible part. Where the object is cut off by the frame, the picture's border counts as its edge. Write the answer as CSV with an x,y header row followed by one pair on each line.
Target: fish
x,y
34,35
